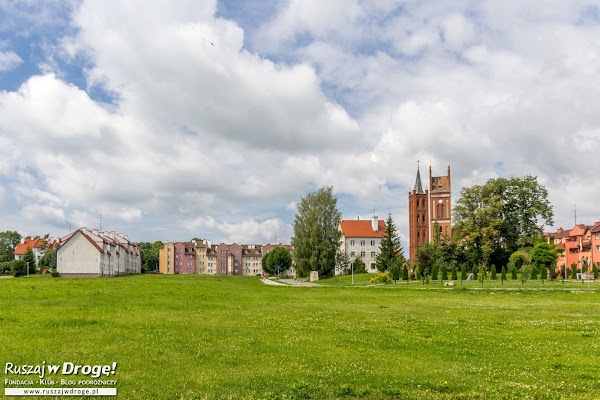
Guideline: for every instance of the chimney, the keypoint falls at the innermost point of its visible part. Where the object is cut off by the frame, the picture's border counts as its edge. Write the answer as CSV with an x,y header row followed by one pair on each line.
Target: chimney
x,y
375,223
560,230
22,240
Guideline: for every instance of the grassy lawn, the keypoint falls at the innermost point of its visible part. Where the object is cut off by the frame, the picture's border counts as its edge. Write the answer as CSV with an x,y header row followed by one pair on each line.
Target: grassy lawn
x,y
222,337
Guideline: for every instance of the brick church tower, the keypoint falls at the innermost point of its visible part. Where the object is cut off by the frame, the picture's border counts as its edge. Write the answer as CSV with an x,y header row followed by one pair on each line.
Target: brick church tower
x,y
440,204
426,207
418,217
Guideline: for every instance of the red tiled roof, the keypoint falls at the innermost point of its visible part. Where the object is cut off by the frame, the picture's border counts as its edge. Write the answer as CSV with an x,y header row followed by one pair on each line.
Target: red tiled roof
x,y
362,228
22,248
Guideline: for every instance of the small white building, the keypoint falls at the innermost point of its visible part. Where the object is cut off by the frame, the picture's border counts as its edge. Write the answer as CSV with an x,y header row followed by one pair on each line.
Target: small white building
x,y
88,253
361,238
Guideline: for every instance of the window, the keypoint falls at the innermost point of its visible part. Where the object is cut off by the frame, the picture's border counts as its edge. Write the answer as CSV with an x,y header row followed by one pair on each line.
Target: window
x,y
373,255
352,243
597,248
597,235
373,243
352,254
362,254
362,242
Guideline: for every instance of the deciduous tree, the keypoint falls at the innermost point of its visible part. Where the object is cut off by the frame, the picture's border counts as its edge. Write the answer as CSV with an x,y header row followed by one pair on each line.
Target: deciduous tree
x,y
8,242
278,257
495,219
316,233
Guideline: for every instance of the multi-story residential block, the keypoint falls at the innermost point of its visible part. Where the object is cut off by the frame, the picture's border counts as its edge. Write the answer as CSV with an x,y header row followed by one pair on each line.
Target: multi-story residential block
x,y
581,246
202,257
361,238
87,252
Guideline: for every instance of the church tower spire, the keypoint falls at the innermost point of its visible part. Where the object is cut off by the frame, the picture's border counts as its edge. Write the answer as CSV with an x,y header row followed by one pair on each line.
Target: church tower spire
x,y
418,184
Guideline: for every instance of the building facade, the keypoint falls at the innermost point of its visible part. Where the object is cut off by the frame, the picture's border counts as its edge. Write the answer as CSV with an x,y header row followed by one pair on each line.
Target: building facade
x,y
89,253
202,257
361,238
428,209
581,246
37,245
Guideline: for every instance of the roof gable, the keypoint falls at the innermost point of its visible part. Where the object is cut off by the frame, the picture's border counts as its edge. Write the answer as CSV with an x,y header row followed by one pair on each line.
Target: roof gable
x,y
362,228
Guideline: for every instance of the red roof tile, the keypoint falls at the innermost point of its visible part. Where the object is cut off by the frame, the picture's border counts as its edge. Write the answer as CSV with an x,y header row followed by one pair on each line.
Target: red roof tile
x,y
22,248
362,228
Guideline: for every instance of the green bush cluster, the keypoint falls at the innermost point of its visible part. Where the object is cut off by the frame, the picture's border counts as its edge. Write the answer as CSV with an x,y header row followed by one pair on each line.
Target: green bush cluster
x,y
381,277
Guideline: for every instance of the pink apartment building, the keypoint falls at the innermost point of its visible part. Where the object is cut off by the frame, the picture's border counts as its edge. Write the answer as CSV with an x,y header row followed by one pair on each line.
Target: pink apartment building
x,y
581,246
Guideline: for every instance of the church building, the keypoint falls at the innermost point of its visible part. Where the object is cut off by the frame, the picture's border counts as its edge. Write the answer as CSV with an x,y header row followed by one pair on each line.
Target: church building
x,y
426,207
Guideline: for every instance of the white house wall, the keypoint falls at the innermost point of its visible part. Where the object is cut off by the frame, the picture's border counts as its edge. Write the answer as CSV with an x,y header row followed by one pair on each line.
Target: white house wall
x,y
78,257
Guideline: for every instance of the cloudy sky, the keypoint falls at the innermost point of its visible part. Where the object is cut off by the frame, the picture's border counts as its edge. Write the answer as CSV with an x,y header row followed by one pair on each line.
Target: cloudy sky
x,y
167,120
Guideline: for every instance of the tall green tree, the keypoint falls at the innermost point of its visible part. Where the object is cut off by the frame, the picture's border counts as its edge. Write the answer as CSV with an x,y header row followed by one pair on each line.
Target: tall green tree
x,y
149,253
316,233
8,242
390,248
29,259
405,272
503,273
495,219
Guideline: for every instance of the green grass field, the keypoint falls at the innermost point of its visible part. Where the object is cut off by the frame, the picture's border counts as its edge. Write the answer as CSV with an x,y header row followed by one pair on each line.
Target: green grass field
x,y
222,337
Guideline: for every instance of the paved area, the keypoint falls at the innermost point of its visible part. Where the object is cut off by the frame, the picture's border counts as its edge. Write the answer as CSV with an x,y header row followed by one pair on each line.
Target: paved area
x,y
271,282
288,282
293,282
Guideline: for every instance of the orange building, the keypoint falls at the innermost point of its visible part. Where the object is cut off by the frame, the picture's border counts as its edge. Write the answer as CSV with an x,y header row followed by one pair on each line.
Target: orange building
x,y
581,246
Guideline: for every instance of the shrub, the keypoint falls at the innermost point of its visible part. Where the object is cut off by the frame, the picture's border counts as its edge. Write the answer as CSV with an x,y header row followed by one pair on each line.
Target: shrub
x,y
503,273
359,266
19,268
494,277
595,271
381,277
534,272
444,273
573,271
474,271
513,273
454,275
463,272
54,273
405,273
544,272
434,273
